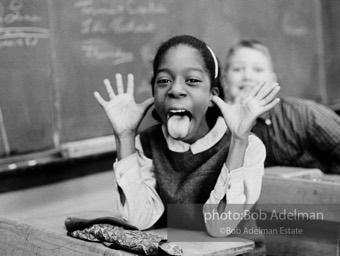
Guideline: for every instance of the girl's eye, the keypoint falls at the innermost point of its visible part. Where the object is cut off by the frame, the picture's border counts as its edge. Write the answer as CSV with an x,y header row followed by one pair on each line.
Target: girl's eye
x,y
193,81
163,81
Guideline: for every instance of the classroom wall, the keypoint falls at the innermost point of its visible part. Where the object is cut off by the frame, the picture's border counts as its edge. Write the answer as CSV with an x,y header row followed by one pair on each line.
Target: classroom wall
x,y
55,54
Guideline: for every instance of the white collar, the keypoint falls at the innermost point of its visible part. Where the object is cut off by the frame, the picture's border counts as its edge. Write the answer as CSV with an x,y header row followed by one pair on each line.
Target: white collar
x,y
208,141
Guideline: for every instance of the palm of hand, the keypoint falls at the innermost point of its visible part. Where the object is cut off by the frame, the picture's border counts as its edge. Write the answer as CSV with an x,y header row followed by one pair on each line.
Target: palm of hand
x,y
240,117
123,113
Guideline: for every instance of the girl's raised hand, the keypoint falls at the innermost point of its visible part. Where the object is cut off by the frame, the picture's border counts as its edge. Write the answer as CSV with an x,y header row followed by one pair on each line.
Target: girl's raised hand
x,y
123,112
240,117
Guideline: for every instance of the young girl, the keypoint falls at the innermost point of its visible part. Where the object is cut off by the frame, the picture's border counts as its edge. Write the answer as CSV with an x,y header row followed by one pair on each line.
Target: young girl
x,y
202,152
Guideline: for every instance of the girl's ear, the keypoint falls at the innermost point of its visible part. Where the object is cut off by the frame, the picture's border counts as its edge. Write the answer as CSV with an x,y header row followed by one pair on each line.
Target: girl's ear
x,y
214,92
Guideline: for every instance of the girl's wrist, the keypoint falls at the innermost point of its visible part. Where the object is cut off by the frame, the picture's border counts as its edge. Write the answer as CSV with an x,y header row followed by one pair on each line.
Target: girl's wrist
x,y
125,136
125,145
241,143
125,140
240,139
238,147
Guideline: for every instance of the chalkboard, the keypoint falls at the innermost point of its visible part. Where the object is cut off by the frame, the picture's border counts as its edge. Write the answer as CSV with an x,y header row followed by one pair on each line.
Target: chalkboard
x,y
26,84
96,39
331,31
93,41
86,41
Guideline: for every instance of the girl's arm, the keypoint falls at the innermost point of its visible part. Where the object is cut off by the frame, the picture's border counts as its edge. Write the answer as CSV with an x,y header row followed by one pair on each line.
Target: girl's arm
x,y
140,204
235,191
228,195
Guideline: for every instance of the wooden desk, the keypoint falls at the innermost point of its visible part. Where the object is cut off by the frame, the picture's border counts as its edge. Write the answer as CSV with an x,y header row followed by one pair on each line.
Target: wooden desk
x,y
304,189
289,185
32,221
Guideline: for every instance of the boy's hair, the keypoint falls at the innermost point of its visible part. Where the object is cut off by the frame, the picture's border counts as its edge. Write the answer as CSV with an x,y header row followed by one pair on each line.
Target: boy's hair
x,y
252,44
208,61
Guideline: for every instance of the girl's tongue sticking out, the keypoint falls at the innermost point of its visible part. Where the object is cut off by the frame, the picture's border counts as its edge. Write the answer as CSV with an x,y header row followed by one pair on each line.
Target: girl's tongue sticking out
x,y
178,124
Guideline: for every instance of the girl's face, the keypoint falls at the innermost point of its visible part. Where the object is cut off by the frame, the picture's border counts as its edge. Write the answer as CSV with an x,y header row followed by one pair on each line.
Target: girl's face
x,y
182,93
247,68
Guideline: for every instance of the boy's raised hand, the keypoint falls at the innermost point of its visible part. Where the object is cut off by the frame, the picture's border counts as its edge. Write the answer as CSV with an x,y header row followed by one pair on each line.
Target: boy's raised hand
x,y
240,117
123,112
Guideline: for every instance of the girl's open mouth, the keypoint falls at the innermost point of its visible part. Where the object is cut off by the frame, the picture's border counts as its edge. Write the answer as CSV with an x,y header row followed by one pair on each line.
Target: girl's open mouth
x,y
179,112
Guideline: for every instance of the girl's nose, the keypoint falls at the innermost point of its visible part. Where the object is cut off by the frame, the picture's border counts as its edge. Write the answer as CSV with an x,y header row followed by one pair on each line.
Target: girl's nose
x,y
177,89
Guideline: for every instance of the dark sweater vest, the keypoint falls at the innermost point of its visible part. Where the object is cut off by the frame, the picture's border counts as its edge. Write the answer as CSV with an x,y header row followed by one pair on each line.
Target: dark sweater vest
x,y
184,179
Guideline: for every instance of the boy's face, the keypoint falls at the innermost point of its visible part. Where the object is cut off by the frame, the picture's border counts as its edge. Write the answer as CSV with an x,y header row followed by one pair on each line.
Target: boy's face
x,y
247,68
183,94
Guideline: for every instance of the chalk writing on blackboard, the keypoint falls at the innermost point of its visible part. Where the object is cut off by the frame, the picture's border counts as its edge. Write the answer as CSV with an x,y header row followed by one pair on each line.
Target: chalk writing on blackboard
x,y
131,7
102,21
96,21
19,36
117,25
119,56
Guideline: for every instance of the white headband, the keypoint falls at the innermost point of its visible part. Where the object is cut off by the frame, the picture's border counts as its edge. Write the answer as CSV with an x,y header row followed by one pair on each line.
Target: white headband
x,y
215,61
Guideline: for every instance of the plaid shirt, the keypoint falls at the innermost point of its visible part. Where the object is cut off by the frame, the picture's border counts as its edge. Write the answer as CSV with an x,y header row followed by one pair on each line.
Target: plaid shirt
x,y
301,133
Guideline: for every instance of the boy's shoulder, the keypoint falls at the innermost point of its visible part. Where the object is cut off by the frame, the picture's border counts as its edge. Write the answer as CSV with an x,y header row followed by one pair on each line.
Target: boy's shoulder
x,y
295,102
299,102
302,105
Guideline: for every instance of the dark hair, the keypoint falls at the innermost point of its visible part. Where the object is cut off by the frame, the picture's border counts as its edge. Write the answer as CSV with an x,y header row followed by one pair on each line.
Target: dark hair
x,y
209,64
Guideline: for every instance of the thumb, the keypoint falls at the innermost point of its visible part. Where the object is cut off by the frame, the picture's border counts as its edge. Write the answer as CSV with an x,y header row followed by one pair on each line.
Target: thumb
x,y
219,102
147,104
